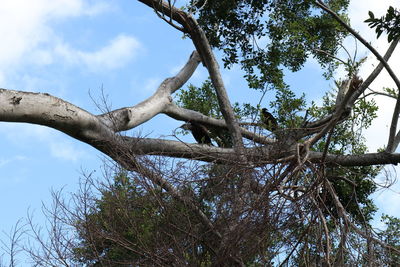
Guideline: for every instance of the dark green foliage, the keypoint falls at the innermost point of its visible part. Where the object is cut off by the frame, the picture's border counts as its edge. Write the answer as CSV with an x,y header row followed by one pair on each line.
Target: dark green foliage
x,y
391,236
265,36
134,225
204,100
390,23
353,185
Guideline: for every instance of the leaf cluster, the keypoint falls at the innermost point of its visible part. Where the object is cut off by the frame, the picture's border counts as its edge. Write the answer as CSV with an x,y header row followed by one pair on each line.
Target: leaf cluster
x,y
266,36
391,236
389,23
353,185
132,224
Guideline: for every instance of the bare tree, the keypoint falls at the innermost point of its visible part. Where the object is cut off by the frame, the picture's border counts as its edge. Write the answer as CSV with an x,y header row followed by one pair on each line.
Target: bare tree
x,y
268,197
12,246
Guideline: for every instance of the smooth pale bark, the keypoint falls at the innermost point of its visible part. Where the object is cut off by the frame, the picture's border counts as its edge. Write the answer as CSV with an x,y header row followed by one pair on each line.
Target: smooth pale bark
x,y
98,130
130,117
102,131
44,109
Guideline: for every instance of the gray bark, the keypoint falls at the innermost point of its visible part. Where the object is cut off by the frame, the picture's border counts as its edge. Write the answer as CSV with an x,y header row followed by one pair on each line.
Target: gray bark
x,y
100,130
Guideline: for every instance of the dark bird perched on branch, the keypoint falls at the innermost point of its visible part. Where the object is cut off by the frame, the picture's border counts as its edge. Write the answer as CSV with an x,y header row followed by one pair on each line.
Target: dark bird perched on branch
x,y
199,132
268,120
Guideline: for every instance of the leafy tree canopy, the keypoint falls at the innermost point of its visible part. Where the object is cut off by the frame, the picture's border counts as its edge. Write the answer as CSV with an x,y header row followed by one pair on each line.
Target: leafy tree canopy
x,y
268,35
295,208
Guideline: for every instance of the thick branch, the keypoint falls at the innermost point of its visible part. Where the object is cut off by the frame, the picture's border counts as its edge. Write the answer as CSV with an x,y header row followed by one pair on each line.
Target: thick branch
x,y
396,142
393,126
260,156
130,117
179,113
44,109
200,41
170,148
356,160
362,40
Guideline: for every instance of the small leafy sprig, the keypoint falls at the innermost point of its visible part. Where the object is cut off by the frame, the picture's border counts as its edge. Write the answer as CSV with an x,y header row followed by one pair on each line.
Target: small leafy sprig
x,y
390,23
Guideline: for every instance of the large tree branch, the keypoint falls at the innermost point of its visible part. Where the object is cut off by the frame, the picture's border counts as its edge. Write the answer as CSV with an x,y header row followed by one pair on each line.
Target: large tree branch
x,y
393,126
367,159
179,113
200,41
178,149
393,142
130,117
44,109
258,155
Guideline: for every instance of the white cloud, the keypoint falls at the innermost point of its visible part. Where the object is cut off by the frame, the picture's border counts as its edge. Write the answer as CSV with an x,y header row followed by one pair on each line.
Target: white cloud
x,y
377,134
66,151
118,52
27,24
58,144
4,162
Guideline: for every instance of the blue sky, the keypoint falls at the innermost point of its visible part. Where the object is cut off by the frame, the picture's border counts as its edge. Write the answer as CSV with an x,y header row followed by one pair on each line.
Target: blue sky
x,y
74,48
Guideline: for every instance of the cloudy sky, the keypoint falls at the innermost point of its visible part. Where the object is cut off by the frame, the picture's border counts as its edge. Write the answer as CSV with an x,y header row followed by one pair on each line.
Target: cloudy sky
x,y
79,49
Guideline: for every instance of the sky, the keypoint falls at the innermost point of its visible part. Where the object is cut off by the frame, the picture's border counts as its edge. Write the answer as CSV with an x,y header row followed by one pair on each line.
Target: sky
x,y
79,50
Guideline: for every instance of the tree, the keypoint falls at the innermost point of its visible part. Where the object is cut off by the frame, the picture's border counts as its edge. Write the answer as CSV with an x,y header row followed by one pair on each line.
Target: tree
x,y
299,192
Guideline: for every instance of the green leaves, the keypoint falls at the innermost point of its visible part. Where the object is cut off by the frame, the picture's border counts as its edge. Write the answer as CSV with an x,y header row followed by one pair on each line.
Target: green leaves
x,y
266,36
390,23
202,99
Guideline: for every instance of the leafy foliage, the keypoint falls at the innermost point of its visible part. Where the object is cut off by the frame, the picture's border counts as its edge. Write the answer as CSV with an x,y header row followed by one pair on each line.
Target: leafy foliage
x,y
134,222
129,223
390,23
353,185
266,36
391,236
204,101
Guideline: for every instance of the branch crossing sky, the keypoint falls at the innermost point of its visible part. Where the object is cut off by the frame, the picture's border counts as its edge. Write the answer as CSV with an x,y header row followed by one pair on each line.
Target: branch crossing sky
x,y
79,50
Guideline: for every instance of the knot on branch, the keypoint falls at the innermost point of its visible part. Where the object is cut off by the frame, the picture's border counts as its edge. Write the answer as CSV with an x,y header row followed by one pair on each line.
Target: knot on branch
x,y
15,100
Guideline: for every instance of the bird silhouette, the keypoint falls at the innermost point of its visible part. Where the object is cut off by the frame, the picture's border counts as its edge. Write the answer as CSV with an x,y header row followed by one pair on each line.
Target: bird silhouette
x,y
268,120
199,132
